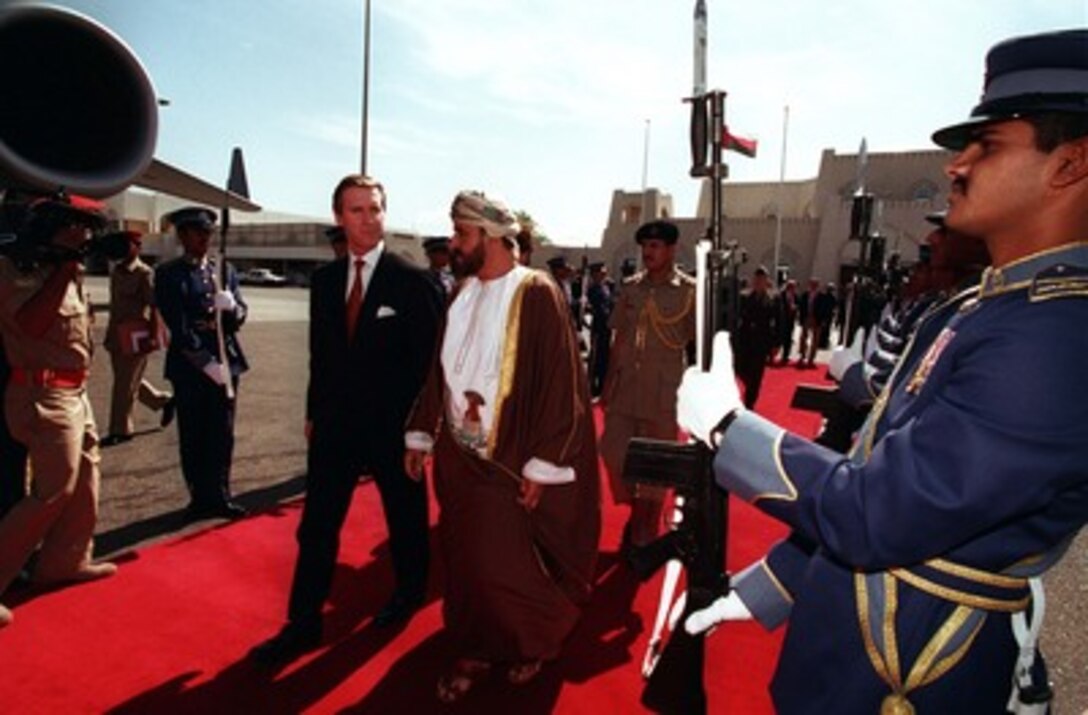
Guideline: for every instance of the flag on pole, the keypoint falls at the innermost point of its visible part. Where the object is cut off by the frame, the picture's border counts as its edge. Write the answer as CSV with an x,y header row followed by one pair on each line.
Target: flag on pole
x,y
739,144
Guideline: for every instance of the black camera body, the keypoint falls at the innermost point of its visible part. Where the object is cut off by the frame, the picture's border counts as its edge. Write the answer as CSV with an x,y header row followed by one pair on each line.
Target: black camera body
x,y
28,229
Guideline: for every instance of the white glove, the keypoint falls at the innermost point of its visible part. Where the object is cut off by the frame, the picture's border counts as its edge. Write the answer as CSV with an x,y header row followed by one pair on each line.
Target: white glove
x,y
704,398
216,372
871,345
842,357
224,301
726,608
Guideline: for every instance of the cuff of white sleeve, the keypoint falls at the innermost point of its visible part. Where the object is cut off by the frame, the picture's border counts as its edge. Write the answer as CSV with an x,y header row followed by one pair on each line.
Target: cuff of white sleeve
x,y
420,441
541,472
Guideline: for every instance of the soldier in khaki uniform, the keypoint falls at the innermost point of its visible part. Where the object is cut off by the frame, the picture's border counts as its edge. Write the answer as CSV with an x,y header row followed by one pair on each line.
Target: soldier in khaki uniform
x,y
45,320
654,321
132,300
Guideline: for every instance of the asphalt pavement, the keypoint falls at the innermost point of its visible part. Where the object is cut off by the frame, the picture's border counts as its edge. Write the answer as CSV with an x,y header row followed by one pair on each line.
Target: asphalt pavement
x,y
142,493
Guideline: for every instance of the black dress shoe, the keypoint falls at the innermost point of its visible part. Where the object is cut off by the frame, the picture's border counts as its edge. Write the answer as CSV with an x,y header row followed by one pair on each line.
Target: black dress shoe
x,y
168,411
231,510
292,641
225,510
398,610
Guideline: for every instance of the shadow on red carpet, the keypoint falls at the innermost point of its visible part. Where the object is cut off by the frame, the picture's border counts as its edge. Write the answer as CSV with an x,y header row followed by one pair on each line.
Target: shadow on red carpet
x,y
170,632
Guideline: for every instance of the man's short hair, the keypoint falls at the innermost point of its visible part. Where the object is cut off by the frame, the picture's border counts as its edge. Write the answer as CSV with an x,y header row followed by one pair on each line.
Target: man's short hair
x,y
355,181
525,241
1054,129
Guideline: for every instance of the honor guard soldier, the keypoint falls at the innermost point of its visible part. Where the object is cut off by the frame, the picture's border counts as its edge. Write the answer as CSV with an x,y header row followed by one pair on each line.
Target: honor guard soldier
x,y
601,297
437,249
188,296
911,581
338,242
654,321
46,324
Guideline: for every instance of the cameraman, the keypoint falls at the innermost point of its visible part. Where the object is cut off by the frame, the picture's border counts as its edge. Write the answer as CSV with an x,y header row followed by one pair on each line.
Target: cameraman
x,y
45,322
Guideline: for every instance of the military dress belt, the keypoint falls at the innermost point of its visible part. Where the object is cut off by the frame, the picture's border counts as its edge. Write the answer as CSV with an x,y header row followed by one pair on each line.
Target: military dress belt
x,y
47,377
967,586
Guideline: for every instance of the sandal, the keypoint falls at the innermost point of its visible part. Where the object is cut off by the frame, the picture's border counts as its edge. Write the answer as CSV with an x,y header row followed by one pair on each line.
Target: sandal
x,y
522,673
455,684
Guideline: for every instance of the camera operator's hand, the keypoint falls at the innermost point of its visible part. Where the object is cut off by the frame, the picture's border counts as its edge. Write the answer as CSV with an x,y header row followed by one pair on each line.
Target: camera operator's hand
x,y
704,398
726,608
216,372
224,301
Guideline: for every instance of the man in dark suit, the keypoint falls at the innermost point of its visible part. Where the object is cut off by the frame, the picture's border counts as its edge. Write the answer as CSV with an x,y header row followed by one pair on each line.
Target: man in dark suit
x,y
373,325
755,334
806,316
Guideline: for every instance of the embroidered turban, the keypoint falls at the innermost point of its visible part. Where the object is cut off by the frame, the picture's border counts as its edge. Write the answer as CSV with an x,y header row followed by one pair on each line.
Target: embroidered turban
x,y
490,214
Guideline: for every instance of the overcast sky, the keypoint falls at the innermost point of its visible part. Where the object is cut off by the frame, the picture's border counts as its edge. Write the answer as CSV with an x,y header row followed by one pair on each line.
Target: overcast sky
x,y
547,102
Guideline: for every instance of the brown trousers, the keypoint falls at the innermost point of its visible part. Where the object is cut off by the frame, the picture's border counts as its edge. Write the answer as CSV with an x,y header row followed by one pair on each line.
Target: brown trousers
x,y
57,427
618,431
128,385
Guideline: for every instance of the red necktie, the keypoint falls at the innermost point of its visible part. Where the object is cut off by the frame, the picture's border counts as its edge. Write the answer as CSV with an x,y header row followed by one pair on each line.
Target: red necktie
x,y
355,298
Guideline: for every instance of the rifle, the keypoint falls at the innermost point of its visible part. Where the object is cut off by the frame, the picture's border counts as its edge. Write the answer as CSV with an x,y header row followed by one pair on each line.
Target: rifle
x,y
675,674
236,184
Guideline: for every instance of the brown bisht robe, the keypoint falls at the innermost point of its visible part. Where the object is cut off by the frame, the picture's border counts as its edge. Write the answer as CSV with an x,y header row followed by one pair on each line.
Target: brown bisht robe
x,y
515,579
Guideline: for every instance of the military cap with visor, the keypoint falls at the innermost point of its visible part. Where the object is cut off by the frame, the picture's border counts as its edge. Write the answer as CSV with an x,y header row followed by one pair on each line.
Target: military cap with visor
x,y
659,230
194,216
1028,76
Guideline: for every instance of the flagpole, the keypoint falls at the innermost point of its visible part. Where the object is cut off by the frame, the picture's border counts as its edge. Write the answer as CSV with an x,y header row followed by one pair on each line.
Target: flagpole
x,y
646,172
646,156
366,83
781,192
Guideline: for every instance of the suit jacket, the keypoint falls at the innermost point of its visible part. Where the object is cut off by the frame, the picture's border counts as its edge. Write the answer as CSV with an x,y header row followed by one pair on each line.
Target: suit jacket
x,y
824,308
360,393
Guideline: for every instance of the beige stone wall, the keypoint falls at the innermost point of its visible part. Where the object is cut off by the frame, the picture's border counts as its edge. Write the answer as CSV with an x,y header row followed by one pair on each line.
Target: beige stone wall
x,y
815,214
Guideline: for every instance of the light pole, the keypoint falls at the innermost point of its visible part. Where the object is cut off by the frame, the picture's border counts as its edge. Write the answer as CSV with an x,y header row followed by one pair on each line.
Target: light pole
x,y
366,81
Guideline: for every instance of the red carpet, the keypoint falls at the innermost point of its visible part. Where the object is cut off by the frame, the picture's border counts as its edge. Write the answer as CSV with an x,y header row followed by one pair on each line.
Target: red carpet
x,y
170,632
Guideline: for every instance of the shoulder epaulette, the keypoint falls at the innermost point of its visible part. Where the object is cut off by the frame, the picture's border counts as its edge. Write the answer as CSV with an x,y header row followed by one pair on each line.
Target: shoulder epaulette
x,y
1059,281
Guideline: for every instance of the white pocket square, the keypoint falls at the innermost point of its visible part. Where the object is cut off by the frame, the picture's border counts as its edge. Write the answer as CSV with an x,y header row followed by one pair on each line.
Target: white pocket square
x,y
384,311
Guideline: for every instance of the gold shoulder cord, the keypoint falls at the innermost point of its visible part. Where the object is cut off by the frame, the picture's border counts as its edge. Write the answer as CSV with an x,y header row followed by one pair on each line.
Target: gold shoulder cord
x,y
664,326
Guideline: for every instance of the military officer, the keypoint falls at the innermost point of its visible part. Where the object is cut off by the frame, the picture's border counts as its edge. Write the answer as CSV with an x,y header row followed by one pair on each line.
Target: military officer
x,y
920,552
653,323
338,242
132,302
45,321
188,296
437,249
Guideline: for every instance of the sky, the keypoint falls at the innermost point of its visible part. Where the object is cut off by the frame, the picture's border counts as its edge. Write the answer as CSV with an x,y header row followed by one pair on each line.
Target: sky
x,y
550,105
